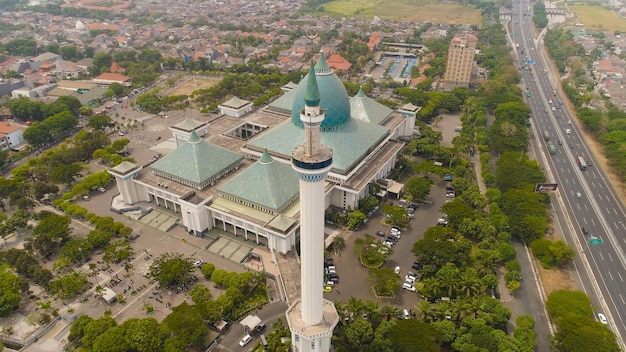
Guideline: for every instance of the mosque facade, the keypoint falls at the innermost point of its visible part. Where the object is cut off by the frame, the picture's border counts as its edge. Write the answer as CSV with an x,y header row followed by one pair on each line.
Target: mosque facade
x,y
239,178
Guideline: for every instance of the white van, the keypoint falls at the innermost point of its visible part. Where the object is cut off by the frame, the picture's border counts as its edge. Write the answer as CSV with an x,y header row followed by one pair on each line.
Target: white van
x,y
246,339
406,314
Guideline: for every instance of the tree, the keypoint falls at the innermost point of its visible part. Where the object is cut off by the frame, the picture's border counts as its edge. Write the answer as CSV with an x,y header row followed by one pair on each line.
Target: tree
x,y
207,270
95,328
99,122
70,285
9,291
355,218
418,188
397,215
171,269
359,333
437,248
412,335
72,103
50,233
385,281
551,253
184,323
337,244
117,88
101,63
65,173
143,335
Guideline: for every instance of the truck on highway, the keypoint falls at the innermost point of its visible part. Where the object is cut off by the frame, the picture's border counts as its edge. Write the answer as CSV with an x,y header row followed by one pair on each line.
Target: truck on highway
x,y
582,164
546,135
551,148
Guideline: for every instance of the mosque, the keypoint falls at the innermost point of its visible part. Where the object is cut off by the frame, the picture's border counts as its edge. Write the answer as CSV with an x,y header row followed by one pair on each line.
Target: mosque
x,y
235,172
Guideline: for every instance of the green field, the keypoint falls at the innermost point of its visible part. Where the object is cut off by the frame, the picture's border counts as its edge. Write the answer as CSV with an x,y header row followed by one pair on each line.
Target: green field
x,y
405,10
598,17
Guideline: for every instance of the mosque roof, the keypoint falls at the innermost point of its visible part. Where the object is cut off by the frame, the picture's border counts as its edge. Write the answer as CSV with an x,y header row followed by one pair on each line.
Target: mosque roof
x,y
267,183
235,103
368,109
196,163
350,144
333,98
188,124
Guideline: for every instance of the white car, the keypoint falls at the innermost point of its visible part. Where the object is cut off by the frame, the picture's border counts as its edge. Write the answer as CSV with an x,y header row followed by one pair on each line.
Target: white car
x,y
411,277
246,339
442,221
553,108
602,318
397,270
568,131
198,263
408,286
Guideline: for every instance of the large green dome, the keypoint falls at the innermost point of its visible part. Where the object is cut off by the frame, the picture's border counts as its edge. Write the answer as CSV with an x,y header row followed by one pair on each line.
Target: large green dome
x,y
333,98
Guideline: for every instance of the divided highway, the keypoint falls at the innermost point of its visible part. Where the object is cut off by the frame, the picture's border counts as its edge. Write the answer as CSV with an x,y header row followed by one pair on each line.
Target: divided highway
x,y
592,207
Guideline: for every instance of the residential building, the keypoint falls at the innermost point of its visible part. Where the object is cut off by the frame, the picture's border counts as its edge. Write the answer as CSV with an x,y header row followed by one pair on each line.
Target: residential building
x,y
460,61
10,135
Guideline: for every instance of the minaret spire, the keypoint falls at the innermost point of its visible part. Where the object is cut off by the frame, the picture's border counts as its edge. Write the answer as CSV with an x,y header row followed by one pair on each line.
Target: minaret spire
x,y
311,318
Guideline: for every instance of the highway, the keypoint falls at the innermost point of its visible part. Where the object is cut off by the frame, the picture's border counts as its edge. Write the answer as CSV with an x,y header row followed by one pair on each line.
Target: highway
x,y
589,200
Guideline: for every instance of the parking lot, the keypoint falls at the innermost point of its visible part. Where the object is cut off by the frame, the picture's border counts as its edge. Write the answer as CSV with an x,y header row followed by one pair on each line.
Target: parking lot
x,y
354,276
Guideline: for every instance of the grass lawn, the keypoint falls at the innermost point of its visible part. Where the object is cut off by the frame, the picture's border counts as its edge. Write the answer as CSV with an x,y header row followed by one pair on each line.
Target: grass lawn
x,y
405,10
598,17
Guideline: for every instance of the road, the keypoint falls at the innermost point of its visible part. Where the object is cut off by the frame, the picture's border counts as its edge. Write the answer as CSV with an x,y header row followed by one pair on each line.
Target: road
x,y
588,200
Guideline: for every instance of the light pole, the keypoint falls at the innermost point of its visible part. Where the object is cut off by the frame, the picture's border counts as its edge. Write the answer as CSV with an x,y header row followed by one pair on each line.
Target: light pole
x,y
81,253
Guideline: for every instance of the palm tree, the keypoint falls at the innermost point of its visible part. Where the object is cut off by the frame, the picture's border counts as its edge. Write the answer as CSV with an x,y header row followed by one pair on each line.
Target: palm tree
x,y
343,313
426,311
460,309
354,306
448,275
370,308
470,284
337,244
389,311
431,287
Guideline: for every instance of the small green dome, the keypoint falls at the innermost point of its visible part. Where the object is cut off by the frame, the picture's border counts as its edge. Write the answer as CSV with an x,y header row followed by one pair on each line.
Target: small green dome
x,y
333,98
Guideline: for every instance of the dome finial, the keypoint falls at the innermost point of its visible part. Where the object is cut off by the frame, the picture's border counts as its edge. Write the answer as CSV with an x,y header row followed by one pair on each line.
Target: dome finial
x,y
266,158
312,93
361,93
322,67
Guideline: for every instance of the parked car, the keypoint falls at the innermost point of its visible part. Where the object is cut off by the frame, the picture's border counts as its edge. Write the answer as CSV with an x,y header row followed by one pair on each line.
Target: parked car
x,y
442,222
380,234
396,270
602,318
327,289
417,265
447,177
411,277
198,263
102,189
134,236
408,286
246,340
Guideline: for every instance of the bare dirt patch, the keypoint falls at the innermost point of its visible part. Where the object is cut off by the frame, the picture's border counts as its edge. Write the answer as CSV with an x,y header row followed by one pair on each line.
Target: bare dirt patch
x,y
194,84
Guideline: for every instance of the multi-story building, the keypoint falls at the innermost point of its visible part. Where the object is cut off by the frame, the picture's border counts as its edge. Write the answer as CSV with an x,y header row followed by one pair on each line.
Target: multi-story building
x,y
10,136
460,61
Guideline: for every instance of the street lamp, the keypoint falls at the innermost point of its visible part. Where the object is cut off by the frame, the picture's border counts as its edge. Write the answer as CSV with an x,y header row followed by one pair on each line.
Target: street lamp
x,y
81,253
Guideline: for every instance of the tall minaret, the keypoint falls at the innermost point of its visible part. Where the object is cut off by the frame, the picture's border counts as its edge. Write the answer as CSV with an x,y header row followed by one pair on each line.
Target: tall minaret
x,y
312,318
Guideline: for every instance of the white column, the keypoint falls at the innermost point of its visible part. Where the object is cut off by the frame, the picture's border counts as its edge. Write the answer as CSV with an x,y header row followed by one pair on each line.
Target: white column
x,y
312,248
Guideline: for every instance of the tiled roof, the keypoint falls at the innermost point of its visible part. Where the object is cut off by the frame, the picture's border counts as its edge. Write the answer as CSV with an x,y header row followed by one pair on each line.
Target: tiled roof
x,y
350,143
196,163
235,103
367,109
267,183
188,124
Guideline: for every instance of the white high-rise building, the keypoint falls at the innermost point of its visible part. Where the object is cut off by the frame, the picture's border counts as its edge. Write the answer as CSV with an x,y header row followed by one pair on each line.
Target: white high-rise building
x,y
312,318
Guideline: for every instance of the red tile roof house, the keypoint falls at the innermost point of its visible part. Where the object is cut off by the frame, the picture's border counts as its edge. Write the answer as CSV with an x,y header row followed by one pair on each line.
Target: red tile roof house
x,y
108,78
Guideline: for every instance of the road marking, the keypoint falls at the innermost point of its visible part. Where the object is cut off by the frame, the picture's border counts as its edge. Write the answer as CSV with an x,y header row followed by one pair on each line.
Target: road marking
x,y
610,257
601,256
599,196
622,298
615,211
593,222
592,184
610,275
585,220
621,279
586,207
578,206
